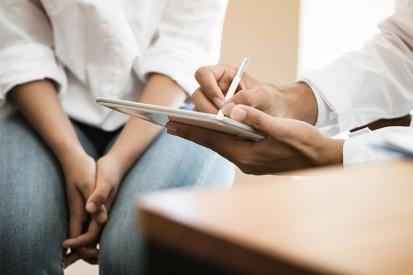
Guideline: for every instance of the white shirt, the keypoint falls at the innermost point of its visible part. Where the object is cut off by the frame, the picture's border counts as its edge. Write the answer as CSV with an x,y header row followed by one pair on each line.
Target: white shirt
x,y
106,48
367,85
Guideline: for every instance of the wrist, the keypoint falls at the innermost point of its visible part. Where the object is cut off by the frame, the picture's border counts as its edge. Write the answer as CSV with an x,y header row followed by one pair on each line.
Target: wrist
x,y
333,152
301,102
68,152
119,164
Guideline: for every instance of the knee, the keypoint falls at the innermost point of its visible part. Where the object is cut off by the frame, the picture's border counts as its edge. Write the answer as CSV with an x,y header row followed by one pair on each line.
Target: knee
x,y
120,250
31,246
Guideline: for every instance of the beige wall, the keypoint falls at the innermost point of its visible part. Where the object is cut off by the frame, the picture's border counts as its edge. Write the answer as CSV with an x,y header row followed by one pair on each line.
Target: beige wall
x,y
267,32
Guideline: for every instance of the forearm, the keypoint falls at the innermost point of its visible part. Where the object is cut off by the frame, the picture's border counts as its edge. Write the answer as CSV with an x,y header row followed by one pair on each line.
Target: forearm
x,y
39,103
138,134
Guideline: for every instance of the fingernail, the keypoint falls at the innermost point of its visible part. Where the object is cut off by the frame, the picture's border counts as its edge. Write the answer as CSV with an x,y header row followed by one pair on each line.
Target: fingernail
x,y
218,102
91,207
228,107
238,113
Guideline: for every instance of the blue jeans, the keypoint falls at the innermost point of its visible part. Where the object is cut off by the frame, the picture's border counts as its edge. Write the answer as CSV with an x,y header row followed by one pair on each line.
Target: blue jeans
x,y
33,209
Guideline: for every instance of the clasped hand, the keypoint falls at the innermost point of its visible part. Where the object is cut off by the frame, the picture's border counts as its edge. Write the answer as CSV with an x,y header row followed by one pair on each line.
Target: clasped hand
x,y
91,187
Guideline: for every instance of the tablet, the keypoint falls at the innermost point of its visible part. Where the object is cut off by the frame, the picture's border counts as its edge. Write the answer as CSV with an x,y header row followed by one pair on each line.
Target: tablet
x,y
161,115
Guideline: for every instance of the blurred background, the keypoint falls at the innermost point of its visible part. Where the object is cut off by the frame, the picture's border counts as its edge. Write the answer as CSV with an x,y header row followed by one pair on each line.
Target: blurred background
x,y
286,37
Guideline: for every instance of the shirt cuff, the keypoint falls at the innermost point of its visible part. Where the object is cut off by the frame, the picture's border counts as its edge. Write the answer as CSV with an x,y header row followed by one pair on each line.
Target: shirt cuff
x,y
333,96
28,62
174,68
365,148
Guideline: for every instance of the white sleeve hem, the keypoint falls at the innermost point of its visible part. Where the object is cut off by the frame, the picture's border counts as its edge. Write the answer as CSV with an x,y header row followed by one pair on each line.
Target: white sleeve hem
x,y
28,62
364,148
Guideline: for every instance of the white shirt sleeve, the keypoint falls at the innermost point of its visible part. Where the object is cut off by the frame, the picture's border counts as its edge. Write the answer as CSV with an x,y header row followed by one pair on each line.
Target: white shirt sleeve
x,y
367,147
26,47
375,82
189,36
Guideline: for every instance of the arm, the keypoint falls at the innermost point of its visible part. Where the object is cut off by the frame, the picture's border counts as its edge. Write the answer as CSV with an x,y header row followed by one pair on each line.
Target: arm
x,y
372,83
39,103
31,77
138,134
189,36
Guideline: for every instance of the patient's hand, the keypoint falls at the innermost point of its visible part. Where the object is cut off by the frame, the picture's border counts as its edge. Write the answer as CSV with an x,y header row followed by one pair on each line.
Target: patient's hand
x,y
290,144
295,101
80,173
108,177
98,193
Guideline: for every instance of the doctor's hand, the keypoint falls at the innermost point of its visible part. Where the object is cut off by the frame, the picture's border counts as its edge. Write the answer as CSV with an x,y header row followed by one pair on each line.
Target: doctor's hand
x,y
289,145
296,101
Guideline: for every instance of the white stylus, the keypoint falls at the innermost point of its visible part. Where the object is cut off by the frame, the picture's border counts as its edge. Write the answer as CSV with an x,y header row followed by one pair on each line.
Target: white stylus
x,y
235,82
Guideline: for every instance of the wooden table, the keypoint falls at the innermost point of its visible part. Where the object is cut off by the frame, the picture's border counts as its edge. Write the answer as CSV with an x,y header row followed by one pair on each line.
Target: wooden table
x,y
347,221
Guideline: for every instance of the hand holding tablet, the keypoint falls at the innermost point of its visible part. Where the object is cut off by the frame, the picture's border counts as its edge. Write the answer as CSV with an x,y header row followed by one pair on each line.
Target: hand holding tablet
x,y
161,115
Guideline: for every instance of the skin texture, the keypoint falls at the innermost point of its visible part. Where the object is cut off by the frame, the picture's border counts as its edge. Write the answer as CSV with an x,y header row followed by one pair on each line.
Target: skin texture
x,y
91,185
285,115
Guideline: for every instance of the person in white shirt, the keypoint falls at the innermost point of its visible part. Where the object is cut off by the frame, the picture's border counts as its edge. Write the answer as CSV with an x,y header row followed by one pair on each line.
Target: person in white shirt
x,y
360,88
67,165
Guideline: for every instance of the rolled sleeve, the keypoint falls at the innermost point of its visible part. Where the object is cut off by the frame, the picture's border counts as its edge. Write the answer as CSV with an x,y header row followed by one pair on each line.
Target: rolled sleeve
x,y
173,65
25,63
188,37
374,82
26,47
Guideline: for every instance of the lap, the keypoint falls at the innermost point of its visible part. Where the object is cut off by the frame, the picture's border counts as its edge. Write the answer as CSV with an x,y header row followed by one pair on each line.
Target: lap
x,y
32,199
170,162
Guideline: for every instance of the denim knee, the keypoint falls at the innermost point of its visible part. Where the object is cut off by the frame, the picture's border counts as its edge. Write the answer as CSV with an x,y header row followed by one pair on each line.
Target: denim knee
x,y
120,250
31,244
32,202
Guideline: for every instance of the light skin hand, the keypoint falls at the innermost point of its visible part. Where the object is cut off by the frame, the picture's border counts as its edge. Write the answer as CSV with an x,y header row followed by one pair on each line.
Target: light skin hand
x,y
105,186
80,174
295,101
39,103
289,145
133,140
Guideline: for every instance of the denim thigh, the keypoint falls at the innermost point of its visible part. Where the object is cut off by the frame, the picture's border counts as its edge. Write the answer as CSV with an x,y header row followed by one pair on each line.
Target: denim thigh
x,y
170,162
33,211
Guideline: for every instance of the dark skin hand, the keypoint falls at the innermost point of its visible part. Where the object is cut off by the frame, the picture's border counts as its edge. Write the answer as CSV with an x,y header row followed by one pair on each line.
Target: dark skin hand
x,y
284,115
289,145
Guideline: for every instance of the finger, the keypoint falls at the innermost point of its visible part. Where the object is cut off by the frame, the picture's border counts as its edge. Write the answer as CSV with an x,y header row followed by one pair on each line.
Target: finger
x,y
226,79
277,128
245,97
71,259
102,215
208,78
110,199
226,145
202,103
77,219
86,189
91,236
98,197
87,252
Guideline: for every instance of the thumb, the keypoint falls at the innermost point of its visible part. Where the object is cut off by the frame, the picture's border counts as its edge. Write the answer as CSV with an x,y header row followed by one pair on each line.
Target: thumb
x,y
98,198
275,127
